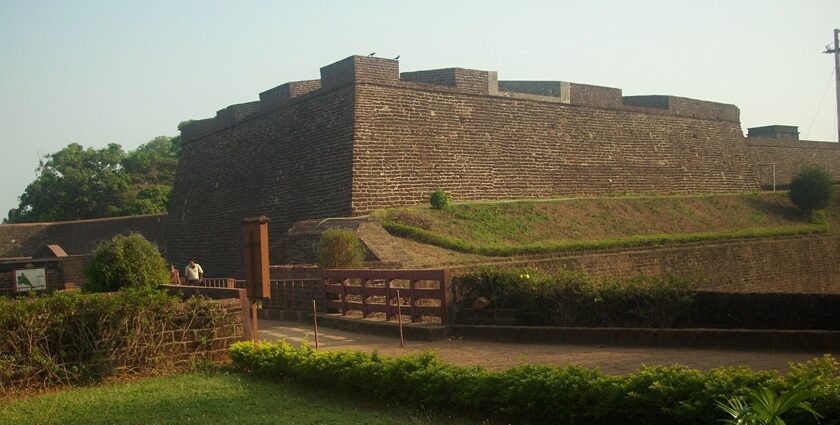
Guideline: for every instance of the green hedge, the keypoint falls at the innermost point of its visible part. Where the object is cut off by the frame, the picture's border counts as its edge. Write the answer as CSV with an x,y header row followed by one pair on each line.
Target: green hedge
x,y
508,250
74,338
578,299
539,394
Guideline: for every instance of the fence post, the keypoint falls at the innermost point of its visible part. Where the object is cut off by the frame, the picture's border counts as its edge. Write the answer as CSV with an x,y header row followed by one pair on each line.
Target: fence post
x,y
447,310
413,297
399,319
344,297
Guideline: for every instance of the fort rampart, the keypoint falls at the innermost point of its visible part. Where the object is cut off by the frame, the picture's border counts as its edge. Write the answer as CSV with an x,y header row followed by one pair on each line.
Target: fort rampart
x,y
365,136
806,264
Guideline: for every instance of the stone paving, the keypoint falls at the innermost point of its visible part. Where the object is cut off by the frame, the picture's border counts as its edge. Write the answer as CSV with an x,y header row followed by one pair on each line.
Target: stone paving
x,y
494,355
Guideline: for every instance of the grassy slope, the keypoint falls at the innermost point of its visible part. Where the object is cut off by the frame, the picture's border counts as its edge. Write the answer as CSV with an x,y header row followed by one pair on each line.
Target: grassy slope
x,y
204,398
535,227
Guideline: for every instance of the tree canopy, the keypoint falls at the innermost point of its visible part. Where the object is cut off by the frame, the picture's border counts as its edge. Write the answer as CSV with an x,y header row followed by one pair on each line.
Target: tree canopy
x,y
78,183
811,189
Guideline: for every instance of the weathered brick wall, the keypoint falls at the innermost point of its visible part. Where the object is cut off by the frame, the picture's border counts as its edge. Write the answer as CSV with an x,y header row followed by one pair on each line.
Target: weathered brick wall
x,y
410,142
684,107
76,237
290,161
585,94
21,240
364,136
793,265
789,156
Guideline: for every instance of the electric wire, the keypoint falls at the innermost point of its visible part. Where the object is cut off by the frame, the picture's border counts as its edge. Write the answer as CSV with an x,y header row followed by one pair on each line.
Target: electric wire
x,y
819,107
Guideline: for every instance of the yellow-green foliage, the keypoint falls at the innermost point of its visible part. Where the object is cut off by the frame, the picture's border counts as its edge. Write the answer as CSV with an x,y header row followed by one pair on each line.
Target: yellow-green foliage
x,y
340,249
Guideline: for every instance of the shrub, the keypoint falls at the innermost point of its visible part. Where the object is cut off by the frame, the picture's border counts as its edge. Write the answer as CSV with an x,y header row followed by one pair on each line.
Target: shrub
x,y
340,249
535,394
577,299
125,261
440,199
77,338
811,189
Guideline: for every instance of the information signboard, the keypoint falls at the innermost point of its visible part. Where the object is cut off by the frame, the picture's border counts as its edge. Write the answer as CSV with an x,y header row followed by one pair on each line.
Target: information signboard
x,y
30,280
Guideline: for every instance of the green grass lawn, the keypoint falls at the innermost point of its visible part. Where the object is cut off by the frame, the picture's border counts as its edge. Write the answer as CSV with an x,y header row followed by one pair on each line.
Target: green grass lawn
x,y
206,398
545,226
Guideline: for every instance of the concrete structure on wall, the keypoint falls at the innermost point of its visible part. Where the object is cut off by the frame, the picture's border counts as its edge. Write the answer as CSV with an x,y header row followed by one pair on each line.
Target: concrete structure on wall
x,y
779,155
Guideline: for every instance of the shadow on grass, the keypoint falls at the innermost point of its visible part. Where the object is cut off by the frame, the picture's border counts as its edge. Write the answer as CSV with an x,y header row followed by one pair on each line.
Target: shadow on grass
x,y
773,208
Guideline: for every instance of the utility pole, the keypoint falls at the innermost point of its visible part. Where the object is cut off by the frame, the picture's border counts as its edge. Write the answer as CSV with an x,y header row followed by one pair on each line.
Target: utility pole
x,y
836,51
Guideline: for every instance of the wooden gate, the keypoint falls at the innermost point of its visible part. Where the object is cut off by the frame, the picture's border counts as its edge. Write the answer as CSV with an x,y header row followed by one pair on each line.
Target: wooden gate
x,y
424,294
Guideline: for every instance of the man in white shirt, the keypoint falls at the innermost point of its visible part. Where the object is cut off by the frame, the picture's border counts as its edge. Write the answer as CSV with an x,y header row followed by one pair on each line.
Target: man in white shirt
x,y
193,272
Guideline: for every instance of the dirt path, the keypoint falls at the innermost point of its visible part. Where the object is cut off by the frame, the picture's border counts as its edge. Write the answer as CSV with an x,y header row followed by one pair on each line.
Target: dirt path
x,y
613,360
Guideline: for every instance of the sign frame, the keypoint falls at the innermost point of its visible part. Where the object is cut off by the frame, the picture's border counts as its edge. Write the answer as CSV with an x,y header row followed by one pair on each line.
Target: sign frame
x,y
36,276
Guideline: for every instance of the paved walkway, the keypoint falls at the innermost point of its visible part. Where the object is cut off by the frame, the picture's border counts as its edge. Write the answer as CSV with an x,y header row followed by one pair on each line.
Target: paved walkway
x,y
494,355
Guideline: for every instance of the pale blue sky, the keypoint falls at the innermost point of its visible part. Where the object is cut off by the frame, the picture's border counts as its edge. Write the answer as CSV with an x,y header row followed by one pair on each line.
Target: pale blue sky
x,y
95,72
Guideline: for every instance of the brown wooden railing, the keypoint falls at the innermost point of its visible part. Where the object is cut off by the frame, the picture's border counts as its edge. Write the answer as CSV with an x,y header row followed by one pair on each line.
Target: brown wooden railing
x,y
422,292
295,294
221,282
286,294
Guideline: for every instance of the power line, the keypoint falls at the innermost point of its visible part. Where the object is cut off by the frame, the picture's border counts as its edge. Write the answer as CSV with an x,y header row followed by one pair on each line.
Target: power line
x,y
819,107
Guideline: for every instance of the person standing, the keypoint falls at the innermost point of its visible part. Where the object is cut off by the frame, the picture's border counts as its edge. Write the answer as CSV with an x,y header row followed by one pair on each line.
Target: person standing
x,y
193,272
174,275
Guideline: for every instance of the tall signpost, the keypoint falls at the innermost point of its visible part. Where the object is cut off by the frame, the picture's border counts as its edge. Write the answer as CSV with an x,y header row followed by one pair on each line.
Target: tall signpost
x,y
836,51
255,241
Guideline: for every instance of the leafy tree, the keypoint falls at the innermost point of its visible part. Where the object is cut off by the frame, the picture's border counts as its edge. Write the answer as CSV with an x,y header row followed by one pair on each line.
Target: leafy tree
x,y
151,171
811,189
77,183
13,217
125,261
149,200
154,162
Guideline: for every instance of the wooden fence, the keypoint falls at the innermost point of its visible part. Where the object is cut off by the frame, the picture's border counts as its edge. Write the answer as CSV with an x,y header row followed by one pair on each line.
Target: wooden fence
x,y
423,293
286,294
221,282
295,294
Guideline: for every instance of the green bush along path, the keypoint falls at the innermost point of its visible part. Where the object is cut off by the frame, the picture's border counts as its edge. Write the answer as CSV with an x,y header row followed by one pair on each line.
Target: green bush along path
x,y
536,394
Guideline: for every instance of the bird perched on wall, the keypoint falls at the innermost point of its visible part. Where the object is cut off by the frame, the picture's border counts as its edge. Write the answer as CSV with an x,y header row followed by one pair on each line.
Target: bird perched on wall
x,y
397,58
372,54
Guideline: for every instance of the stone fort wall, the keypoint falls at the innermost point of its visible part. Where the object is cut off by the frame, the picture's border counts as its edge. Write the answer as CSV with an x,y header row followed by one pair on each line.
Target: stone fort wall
x,y
481,144
780,160
290,159
77,237
806,264
365,136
